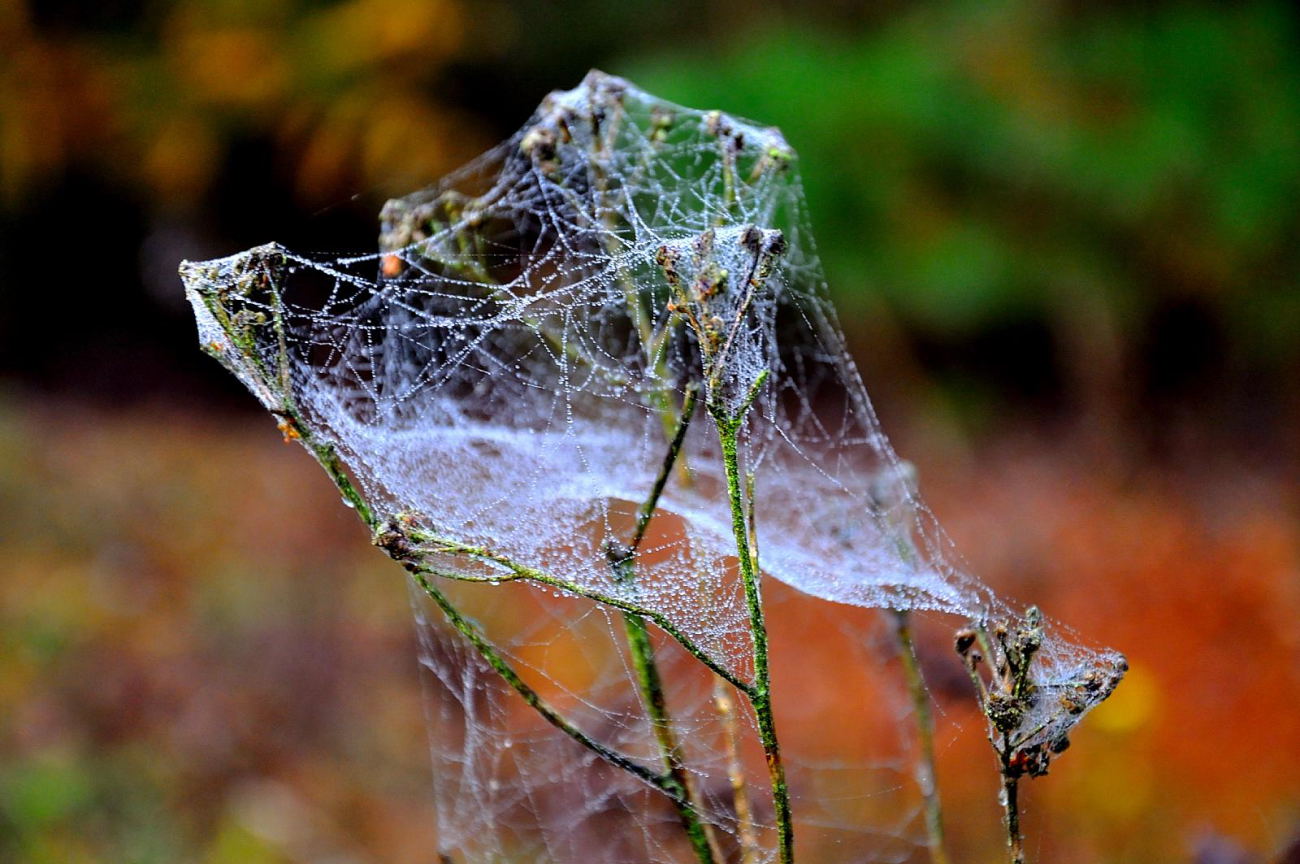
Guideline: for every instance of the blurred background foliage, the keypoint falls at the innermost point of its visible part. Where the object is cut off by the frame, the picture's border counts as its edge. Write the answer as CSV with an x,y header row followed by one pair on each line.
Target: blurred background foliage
x,y
1064,241
1101,205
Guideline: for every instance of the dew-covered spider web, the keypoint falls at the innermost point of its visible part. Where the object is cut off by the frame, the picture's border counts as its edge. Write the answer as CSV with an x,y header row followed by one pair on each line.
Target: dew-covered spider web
x,y
527,392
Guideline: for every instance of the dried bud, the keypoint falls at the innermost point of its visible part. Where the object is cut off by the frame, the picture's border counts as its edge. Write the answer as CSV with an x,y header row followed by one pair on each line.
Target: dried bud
x,y
539,143
393,540
965,639
1073,703
1004,711
661,119
1028,642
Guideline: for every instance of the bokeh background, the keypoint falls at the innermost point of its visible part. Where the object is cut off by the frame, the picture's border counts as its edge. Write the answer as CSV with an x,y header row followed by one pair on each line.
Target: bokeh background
x,y
1065,243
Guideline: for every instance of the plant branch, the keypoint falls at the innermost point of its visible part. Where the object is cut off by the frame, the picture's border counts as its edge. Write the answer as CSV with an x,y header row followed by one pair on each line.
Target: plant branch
x,y
1008,701
516,571
745,834
761,694
664,783
651,503
926,776
649,681
1011,805
925,773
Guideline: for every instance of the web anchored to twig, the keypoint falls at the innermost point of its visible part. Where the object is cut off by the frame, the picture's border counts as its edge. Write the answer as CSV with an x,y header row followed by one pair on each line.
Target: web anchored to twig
x,y
581,384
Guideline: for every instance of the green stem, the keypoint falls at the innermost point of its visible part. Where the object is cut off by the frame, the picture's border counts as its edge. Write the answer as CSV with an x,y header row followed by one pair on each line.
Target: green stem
x,y
636,305
516,571
652,695
761,694
328,458
925,773
489,653
651,503
649,681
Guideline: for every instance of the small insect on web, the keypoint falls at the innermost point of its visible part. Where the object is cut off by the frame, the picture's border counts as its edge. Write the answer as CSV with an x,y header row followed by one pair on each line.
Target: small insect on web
x,y
591,393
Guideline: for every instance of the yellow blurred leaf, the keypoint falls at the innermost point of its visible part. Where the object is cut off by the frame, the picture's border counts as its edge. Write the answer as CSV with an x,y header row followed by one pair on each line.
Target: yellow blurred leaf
x,y
180,160
1132,706
236,66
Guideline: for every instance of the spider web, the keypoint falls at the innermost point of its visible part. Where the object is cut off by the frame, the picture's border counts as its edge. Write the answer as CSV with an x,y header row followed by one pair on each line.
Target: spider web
x,y
506,380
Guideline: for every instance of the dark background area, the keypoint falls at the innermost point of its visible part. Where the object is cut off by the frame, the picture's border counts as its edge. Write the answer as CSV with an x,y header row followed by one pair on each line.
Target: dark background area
x,y
1064,242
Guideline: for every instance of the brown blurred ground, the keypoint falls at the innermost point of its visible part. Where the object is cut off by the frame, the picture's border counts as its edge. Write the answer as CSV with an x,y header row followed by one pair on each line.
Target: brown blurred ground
x,y
1063,237
205,660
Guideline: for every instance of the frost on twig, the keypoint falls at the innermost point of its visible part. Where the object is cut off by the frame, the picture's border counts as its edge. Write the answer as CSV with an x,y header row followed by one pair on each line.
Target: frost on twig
x,y
502,392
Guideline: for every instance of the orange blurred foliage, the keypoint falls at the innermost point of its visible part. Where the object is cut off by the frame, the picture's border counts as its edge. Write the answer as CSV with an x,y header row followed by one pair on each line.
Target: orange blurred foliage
x,y
344,89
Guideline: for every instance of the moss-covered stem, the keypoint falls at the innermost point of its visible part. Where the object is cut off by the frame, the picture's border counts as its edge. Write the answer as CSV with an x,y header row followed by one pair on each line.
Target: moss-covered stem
x,y
729,426
328,458
925,772
745,833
